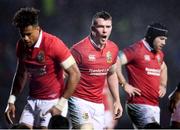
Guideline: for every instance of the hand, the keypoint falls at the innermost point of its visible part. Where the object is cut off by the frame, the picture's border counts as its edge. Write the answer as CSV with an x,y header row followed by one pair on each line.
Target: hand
x,y
10,113
118,110
162,91
174,99
54,111
131,91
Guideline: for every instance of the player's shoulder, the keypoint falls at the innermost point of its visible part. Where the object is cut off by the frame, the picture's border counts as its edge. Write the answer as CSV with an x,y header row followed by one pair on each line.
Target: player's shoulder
x,y
48,36
112,43
50,39
82,44
138,45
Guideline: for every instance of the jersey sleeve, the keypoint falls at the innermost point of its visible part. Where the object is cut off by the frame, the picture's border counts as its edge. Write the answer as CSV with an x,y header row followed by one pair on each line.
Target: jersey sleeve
x,y
76,55
129,53
61,53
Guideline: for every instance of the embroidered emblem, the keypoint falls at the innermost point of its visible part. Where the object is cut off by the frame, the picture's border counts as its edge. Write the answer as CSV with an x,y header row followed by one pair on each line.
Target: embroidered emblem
x,y
147,58
91,57
40,57
158,59
85,116
109,57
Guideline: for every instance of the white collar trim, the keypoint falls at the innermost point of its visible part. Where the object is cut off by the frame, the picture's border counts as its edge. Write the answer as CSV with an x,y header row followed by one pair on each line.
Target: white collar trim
x,y
37,45
94,43
147,45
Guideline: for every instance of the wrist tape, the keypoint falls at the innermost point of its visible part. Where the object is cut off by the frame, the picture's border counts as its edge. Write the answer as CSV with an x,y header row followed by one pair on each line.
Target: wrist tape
x,y
12,99
61,103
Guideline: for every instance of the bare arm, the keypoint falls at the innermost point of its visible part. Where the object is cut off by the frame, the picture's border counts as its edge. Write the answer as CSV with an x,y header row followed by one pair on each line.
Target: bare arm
x,y
129,89
112,81
18,84
73,77
163,80
19,79
72,80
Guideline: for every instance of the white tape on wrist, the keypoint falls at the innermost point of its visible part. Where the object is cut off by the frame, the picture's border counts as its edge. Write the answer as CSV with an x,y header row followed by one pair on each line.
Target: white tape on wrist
x,y
61,103
12,99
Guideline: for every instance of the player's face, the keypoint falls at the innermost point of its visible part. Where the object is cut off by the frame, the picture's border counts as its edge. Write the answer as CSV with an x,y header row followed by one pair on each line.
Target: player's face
x,y
30,35
101,31
159,43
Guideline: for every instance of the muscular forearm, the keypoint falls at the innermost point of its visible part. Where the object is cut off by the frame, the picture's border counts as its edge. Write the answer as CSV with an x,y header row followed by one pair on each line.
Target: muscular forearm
x,y
163,75
72,81
112,81
18,84
120,76
19,79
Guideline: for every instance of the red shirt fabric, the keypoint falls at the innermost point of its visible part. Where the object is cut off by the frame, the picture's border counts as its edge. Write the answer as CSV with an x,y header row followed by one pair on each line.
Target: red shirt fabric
x,y
94,64
42,63
143,70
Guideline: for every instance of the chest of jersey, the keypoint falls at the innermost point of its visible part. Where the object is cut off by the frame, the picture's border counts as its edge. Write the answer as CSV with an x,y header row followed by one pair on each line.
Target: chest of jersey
x,y
97,62
149,62
35,61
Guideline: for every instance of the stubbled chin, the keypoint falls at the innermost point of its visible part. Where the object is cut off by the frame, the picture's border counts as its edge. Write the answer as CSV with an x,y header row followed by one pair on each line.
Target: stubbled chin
x,y
103,41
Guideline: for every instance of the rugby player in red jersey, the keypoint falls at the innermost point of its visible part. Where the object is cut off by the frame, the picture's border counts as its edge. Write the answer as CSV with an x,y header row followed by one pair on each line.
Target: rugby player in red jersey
x,y
41,59
147,75
96,58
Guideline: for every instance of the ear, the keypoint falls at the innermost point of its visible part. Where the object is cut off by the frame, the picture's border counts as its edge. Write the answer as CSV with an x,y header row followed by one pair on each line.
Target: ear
x,y
93,28
93,32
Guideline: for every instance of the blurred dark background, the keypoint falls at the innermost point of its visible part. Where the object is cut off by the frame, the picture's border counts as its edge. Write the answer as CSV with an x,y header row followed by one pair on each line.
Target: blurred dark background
x,y
70,20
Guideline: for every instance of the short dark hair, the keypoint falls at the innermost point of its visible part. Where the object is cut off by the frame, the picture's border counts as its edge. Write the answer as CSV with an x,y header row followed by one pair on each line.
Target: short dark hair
x,y
102,14
25,17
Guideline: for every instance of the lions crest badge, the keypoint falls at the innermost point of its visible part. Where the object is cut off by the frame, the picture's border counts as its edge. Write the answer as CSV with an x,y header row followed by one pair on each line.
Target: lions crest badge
x,y
109,57
40,56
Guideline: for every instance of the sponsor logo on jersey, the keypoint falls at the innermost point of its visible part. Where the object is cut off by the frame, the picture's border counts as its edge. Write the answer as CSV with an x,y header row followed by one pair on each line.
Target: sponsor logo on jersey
x,y
109,57
36,71
91,57
152,71
98,71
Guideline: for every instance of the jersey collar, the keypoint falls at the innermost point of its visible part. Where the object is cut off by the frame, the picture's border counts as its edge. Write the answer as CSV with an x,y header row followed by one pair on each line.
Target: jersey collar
x,y
147,45
94,44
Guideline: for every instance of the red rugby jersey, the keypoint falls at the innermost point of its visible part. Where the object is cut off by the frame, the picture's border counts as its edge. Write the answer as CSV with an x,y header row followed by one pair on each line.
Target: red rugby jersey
x,y
42,62
94,64
143,70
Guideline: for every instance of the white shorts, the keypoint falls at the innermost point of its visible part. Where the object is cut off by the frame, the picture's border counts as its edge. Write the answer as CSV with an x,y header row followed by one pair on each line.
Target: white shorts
x,y
141,114
34,110
109,121
86,112
176,114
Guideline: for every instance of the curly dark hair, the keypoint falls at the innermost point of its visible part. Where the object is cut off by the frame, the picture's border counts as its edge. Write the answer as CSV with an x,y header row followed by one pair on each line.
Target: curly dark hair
x,y
25,17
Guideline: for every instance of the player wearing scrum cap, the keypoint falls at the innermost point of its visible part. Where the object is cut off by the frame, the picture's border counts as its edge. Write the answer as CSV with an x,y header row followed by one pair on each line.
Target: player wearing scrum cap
x,y
147,76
